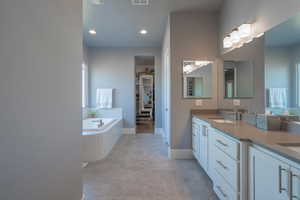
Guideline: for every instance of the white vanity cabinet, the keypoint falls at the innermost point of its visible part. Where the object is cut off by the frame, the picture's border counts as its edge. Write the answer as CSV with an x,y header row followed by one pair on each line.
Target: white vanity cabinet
x,y
226,164
268,177
195,139
219,155
272,176
200,142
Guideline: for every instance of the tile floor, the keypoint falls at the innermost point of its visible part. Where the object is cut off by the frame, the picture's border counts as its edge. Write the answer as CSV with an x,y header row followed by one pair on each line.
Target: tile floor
x,y
138,169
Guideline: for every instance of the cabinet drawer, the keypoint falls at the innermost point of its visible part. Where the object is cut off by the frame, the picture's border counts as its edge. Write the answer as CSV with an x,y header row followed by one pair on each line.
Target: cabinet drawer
x,y
227,145
223,190
227,168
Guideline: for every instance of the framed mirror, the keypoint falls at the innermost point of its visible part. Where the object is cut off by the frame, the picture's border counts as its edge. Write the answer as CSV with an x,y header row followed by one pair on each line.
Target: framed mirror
x,y
238,79
197,79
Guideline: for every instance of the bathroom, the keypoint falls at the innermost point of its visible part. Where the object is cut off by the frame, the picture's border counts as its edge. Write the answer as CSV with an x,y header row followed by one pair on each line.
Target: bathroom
x,y
222,106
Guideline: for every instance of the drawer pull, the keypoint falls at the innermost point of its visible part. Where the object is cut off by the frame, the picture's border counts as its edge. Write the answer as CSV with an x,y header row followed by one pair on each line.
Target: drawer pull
x,y
221,164
280,179
223,193
291,192
222,143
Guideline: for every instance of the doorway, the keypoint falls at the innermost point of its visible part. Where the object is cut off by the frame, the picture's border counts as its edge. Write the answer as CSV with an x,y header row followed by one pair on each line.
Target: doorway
x,y
145,94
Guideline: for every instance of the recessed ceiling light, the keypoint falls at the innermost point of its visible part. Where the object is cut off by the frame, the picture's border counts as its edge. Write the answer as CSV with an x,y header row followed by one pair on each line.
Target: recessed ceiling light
x,y
92,32
140,2
98,2
143,32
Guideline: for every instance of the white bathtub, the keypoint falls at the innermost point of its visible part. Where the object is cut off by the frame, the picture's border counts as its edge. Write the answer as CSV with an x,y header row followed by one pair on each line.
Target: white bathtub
x,y
98,141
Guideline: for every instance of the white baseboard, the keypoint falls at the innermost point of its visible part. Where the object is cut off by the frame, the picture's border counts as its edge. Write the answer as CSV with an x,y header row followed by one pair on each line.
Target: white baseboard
x,y
181,154
129,131
159,131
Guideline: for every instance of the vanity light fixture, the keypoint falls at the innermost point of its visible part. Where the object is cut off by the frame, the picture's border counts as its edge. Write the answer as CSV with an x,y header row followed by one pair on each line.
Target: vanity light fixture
x,y
240,36
92,31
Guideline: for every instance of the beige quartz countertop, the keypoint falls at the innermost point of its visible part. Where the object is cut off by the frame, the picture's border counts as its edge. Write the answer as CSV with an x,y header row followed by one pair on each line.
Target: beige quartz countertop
x,y
245,132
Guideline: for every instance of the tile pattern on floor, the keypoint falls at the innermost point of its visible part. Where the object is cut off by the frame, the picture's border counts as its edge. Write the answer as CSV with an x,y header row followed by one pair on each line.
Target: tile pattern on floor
x,y
138,169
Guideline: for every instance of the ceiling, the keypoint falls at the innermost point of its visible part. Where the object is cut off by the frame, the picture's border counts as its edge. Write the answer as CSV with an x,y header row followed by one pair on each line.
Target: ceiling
x,y
118,22
285,34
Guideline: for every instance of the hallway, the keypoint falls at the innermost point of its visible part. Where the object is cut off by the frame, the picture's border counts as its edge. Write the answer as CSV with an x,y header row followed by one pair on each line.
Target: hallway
x,y
138,169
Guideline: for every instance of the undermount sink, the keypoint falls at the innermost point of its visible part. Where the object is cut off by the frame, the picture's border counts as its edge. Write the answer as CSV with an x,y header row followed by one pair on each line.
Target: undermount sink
x,y
291,146
223,121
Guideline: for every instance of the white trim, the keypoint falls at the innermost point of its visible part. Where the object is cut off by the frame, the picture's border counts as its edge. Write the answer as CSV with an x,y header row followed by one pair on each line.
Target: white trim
x,y
159,131
129,131
163,134
181,154
83,197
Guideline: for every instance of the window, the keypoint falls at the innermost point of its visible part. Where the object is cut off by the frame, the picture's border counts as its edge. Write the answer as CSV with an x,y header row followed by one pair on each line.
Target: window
x,y
84,77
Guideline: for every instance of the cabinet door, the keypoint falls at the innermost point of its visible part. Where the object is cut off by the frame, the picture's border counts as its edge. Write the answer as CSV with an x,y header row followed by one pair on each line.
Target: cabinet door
x,y
203,147
295,183
268,177
195,139
211,154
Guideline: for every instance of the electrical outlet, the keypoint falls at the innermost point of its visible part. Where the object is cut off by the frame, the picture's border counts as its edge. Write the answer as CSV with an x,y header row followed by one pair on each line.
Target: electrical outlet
x,y
236,102
199,102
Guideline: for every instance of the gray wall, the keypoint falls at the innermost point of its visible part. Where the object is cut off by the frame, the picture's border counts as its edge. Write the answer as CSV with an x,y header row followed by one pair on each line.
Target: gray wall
x,y
115,68
253,52
193,37
40,92
265,13
245,76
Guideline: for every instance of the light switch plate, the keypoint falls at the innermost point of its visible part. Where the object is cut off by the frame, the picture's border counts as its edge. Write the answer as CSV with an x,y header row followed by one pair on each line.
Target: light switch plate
x,y
236,102
199,102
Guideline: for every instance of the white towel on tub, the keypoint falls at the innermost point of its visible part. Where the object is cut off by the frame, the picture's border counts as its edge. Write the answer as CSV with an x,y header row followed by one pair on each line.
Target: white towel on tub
x,y
104,98
278,97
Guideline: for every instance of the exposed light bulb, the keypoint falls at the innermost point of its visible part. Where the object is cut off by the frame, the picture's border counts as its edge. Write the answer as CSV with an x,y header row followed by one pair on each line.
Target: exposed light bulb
x,y
227,43
244,30
143,32
235,38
